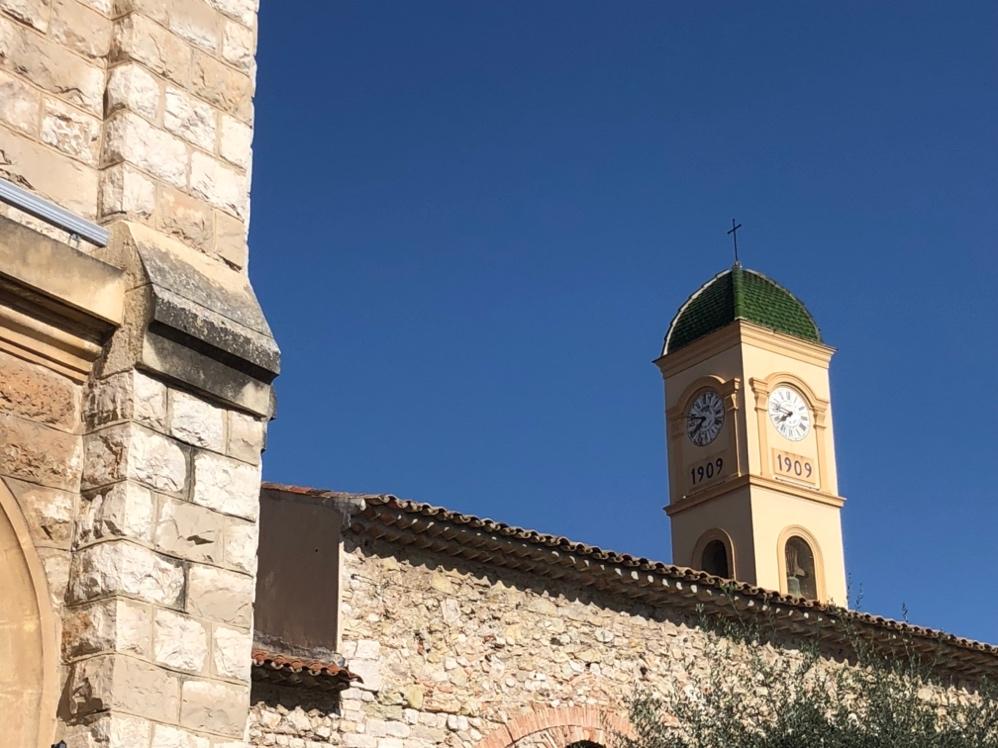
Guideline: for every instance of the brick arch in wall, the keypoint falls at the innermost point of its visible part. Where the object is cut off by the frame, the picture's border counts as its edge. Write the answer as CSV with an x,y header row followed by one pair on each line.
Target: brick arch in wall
x,y
28,646
558,728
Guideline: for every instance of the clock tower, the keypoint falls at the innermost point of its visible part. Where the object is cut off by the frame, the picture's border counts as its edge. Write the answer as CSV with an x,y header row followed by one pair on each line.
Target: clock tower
x,y
753,492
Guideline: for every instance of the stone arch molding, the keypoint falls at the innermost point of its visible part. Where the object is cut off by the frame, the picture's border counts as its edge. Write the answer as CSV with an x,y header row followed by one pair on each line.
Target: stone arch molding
x,y
28,647
558,728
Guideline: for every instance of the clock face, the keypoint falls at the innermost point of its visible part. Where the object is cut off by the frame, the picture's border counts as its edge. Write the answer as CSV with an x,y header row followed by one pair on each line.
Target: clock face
x,y
704,418
789,413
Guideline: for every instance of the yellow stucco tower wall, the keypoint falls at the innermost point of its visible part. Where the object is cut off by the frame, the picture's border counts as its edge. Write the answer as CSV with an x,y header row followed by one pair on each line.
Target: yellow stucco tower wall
x,y
751,441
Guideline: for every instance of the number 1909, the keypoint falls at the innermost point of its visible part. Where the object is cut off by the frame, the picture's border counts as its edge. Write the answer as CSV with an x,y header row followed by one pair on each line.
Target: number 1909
x,y
706,471
794,466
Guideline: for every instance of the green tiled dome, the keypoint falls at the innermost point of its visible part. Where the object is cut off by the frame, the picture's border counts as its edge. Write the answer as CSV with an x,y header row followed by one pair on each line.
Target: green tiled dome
x,y
739,293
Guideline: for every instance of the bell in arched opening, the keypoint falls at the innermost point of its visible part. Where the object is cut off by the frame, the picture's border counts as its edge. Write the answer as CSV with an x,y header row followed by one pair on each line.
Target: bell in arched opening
x,y
801,579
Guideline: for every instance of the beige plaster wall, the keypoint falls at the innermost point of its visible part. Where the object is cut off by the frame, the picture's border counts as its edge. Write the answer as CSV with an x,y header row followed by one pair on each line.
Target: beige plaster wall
x,y
726,363
763,363
775,515
732,512
752,504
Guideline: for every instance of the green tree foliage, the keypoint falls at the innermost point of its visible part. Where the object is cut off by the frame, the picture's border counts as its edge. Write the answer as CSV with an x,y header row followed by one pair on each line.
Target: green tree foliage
x,y
743,691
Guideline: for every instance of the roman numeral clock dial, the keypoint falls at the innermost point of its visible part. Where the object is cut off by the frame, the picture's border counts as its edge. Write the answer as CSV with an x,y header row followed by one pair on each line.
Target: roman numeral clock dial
x,y
704,418
789,413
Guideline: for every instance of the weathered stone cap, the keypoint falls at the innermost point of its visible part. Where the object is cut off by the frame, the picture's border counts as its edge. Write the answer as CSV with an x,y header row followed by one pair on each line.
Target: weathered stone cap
x,y
286,670
654,582
194,319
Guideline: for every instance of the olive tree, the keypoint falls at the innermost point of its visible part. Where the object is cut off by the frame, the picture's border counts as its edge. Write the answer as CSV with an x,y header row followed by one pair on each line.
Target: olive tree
x,y
745,688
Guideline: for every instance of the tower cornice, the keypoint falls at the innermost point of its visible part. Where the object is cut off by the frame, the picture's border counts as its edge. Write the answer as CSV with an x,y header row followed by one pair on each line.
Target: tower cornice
x,y
744,481
739,332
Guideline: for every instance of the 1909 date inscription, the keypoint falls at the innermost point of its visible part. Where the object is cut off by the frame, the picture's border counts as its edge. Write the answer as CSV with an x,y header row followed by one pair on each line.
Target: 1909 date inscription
x,y
798,467
705,471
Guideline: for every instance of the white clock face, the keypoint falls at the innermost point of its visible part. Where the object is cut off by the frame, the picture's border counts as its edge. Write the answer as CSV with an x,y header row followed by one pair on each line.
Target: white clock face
x,y
704,418
789,413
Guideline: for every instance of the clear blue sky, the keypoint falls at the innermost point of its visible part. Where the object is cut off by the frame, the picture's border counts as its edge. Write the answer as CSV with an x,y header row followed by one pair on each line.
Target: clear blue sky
x,y
472,223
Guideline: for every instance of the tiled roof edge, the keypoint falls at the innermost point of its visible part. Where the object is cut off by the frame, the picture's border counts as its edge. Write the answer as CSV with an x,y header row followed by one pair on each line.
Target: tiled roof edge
x,y
297,671
679,312
795,297
622,568
739,303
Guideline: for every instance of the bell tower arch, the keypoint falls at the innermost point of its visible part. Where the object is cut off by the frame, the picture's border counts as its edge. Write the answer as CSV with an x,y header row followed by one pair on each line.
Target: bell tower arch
x,y
753,487
28,650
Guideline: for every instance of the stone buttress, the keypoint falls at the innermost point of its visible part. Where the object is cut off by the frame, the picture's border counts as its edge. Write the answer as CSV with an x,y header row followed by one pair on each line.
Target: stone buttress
x,y
135,374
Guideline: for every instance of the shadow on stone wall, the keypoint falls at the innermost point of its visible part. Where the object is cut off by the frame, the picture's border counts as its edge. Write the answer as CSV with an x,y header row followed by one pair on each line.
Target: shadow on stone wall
x,y
290,697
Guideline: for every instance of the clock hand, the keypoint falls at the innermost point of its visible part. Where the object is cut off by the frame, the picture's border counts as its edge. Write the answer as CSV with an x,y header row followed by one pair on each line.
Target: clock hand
x,y
784,413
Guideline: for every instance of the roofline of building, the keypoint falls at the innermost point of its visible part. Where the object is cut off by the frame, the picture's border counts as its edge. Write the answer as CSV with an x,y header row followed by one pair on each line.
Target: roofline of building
x,y
483,540
685,304
287,670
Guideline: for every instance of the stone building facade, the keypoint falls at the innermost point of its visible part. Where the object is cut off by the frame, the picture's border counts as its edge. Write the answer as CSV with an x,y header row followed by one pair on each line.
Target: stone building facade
x,y
135,372
467,632
135,388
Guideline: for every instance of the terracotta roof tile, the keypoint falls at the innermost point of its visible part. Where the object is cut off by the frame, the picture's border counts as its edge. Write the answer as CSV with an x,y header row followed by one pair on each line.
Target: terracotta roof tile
x,y
290,670
401,514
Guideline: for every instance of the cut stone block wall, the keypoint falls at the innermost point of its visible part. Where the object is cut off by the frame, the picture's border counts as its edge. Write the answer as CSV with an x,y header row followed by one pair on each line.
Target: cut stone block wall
x,y
140,502
134,109
134,378
159,606
40,464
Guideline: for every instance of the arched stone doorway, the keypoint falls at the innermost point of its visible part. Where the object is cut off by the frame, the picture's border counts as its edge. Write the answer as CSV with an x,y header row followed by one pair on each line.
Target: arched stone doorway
x,y
27,636
576,727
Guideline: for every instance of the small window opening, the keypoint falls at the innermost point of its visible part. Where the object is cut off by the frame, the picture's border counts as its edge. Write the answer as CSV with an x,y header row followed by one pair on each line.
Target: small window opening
x,y
715,559
801,580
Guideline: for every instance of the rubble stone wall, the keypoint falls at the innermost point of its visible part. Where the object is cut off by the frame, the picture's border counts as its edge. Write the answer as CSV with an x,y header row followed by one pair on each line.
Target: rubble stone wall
x,y
465,654
455,653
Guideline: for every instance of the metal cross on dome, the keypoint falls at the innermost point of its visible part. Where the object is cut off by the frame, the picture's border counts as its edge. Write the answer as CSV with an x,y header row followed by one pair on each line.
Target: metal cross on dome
x,y
734,238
